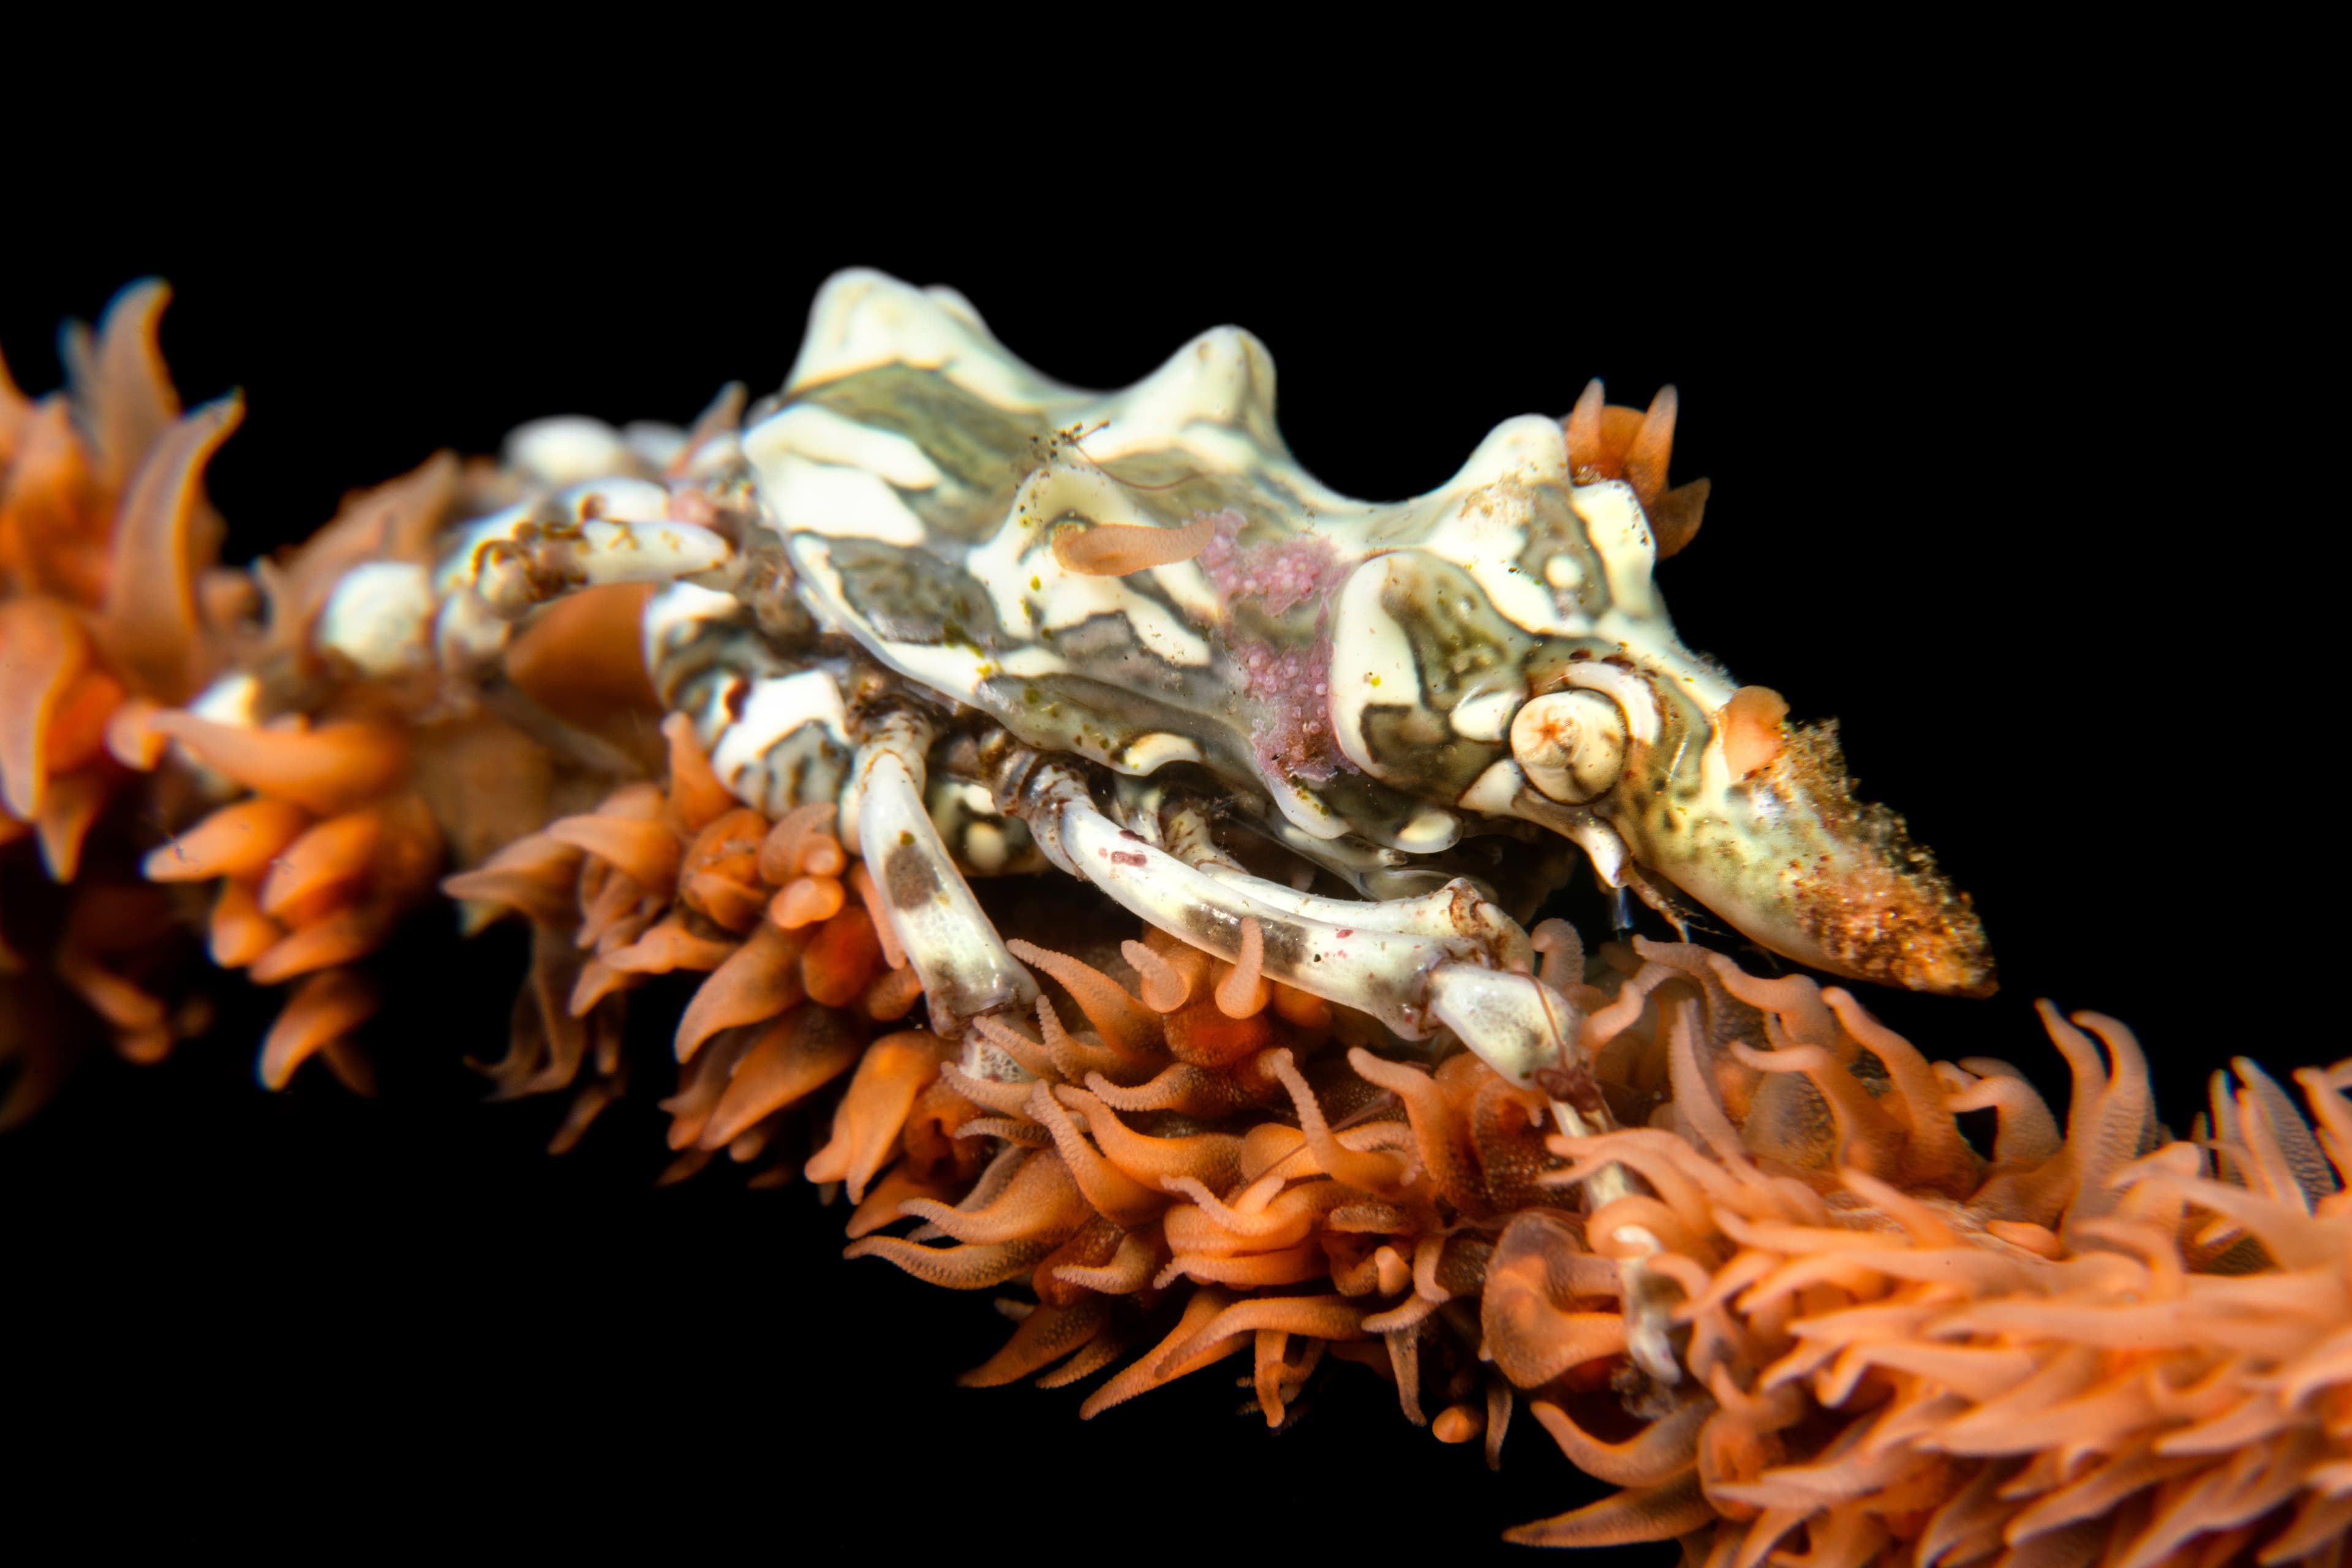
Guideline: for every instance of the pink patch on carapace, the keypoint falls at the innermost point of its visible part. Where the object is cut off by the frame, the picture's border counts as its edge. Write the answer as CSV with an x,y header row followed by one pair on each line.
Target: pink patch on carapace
x,y
1293,691
1284,573
1291,686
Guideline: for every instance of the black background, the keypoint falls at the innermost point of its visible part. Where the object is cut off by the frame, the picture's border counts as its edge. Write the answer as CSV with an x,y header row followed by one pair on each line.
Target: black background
x,y
2009,477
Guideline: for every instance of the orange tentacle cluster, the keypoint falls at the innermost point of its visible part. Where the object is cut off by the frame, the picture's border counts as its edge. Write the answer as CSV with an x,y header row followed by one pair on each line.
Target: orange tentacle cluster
x,y
1211,1154
108,607
1610,441
2087,1347
347,817
798,992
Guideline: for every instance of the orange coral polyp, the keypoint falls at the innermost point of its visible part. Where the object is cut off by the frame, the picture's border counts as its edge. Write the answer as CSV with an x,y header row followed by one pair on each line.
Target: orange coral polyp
x,y
238,840
325,770
1202,1033
841,958
806,901
579,659
795,1056
800,843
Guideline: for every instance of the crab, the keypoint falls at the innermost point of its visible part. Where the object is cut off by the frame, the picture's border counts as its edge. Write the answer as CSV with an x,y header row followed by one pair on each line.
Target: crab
x,y
1145,630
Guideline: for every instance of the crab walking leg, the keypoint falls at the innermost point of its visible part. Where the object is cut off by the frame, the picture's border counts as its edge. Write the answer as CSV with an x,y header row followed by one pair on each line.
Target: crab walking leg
x,y
1380,972
1455,910
1428,971
1352,857
1649,1297
1524,1030
949,943
775,728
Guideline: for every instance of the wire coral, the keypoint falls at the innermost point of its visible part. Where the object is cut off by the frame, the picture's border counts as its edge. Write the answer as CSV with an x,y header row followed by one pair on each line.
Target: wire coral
x,y
2087,1342
2105,1346
1884,1339
2088,1347
317,782
1197,1171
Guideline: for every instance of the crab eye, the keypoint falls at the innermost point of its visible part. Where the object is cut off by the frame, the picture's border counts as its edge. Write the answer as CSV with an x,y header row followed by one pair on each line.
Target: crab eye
x,y
1571,743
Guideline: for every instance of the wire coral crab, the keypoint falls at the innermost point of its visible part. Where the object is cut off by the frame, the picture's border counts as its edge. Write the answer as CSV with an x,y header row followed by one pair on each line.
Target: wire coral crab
x,y
875,705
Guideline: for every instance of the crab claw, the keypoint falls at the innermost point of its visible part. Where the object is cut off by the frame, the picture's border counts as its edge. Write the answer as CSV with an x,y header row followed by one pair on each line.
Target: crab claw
x,y
1773,840
1712,793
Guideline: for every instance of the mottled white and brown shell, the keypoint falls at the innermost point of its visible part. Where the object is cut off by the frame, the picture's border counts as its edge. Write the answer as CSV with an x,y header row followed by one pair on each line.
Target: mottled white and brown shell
x,y
1133,615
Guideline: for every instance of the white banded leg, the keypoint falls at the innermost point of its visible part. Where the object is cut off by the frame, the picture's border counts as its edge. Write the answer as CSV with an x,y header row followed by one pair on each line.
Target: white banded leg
x,y
1458,908
1179,824
1378,971
1372,868
953,949
1649,1297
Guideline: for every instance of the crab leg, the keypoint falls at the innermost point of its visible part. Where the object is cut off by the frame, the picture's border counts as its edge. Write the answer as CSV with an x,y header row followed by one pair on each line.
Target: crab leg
x,y
1455,910
1524,1029
1352,857
1178,823
1650,1296
1380,972
605,531
495,571
1377,971
953,949
1189,838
